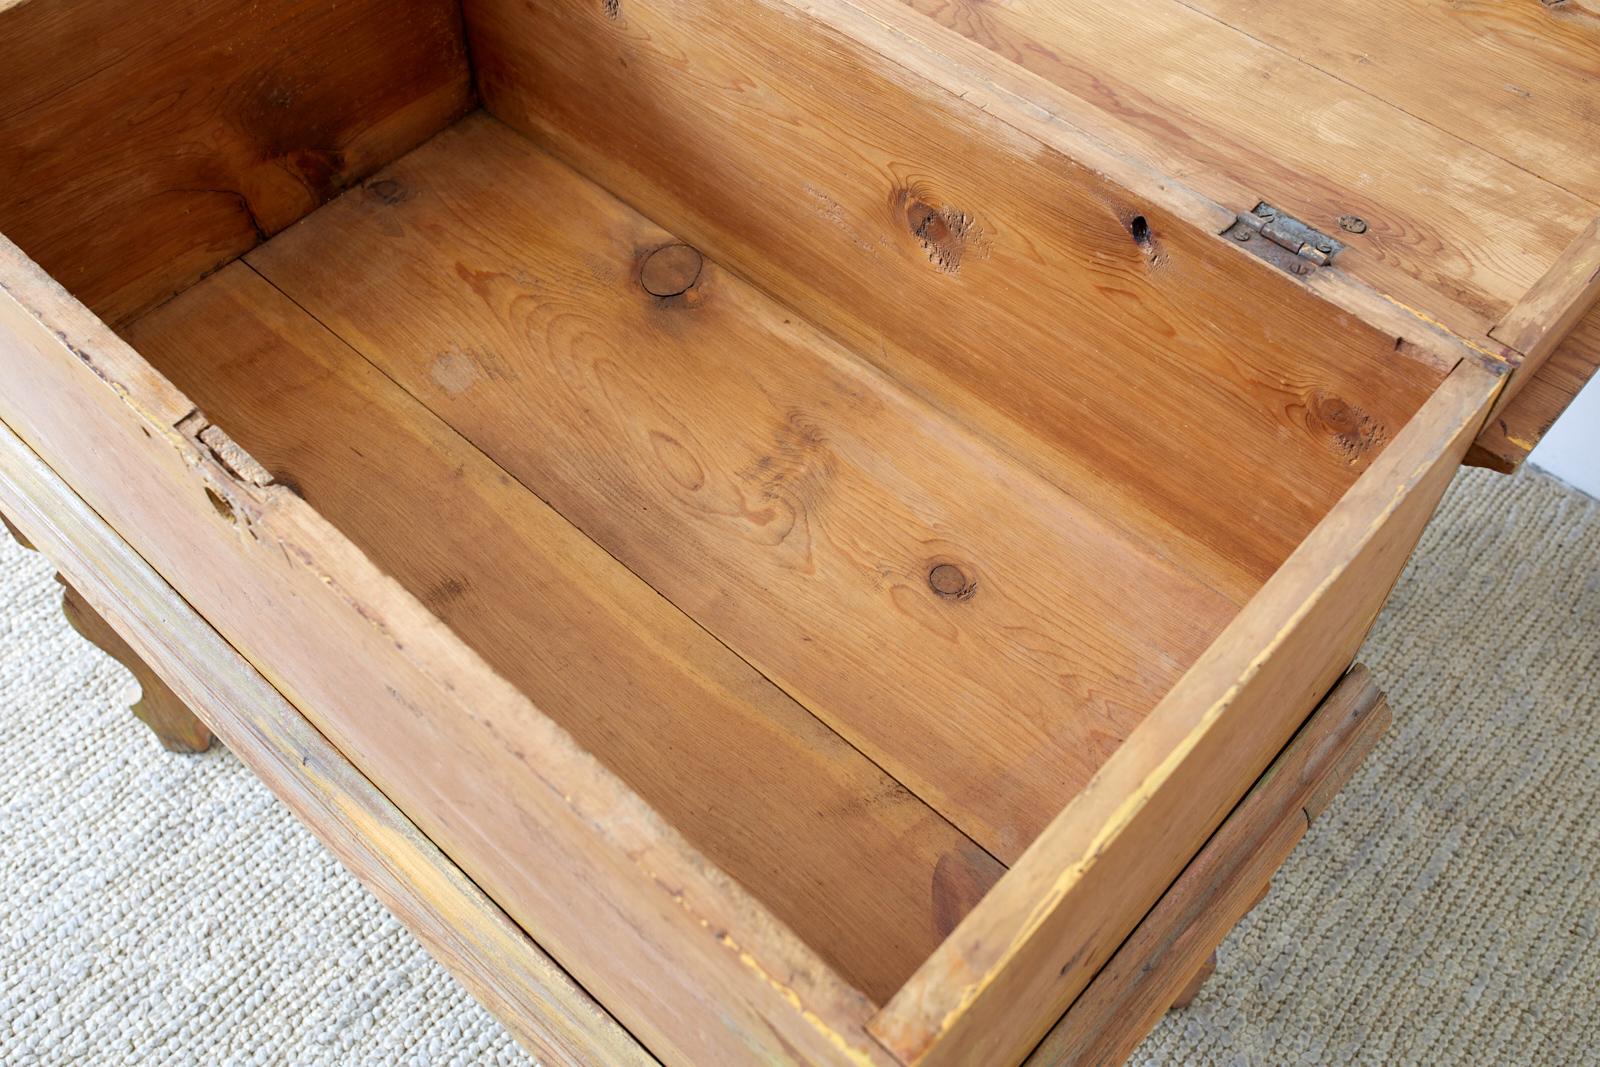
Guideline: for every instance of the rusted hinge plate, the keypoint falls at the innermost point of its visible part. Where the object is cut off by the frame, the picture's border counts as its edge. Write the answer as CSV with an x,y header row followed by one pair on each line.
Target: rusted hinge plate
x,y
1283,240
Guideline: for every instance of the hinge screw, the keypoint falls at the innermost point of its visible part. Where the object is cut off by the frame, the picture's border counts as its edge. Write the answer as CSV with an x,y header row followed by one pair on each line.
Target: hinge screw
x,y
1324,246
1352,224
1242,235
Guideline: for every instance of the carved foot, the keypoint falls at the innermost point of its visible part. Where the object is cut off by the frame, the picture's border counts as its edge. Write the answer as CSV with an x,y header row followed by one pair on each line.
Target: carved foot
x,y
174,725
1192,990
158,707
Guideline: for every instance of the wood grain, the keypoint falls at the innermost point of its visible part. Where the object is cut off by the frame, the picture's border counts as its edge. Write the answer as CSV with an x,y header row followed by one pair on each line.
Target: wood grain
x,y
146,144
1239,120
1515,78
858,867
1554,304
1081,326
795,504
1555,332
990,992
691,964
1519,425
546,1011
1219,886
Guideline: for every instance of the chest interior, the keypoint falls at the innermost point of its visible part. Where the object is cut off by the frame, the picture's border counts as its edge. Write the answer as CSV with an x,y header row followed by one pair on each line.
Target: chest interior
x,y
846,470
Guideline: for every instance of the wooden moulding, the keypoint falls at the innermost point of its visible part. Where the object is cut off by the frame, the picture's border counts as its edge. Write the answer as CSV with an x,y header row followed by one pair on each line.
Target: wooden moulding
x,y
1012,967
697,970
555,1019
1221,884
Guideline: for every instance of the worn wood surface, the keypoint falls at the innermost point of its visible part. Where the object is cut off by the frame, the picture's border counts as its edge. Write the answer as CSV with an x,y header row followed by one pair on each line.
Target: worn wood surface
x,y
1174,942
1516,78
546,1011
1555,304
1240,120
856,865
990,992
1082,326
1118,1015
1518,426
692,965
148,143
960,621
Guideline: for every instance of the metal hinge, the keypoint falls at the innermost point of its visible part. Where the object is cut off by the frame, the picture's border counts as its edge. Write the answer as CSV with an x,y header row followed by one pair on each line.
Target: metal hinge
x,y
1283,240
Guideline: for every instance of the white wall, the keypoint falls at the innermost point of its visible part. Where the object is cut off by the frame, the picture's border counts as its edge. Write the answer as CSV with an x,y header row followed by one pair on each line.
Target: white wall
x,y
1571,450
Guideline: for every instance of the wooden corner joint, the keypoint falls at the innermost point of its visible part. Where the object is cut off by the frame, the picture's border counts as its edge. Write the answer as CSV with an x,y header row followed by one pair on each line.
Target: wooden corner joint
x,y
1553,333
1169,955
1556,302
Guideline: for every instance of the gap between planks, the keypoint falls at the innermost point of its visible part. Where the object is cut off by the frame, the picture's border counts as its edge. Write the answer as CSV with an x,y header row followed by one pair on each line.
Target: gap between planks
x,y
820,497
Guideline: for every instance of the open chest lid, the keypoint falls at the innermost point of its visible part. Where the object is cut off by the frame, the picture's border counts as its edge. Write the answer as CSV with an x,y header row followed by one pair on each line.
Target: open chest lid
x,y
1442,157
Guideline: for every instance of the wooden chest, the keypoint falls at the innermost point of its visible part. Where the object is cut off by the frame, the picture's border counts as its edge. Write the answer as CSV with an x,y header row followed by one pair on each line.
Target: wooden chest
x,y
779,530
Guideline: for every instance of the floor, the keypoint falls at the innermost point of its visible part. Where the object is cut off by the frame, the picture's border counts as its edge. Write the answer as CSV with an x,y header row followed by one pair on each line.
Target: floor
x,y
160,909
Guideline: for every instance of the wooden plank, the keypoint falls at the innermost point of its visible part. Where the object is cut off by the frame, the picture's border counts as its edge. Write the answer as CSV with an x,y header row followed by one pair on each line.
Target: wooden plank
x,y
1239,121
749,777
1519,425
1197,981
1132,1002
1336,779
1083,326
146,144
1010,93
1555,304
690,963
1516,79
1219,886
796,504
1031,945
509,974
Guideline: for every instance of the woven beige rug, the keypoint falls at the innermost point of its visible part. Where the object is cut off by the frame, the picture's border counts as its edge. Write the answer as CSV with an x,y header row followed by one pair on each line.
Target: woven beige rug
x,y
162,909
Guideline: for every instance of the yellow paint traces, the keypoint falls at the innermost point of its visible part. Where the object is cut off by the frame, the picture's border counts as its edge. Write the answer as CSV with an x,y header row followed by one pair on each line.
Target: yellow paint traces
x,y
850,1051
1417,313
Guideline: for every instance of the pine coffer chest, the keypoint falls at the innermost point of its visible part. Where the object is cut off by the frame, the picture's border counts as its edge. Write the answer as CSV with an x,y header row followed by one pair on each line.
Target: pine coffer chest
x,y
823,531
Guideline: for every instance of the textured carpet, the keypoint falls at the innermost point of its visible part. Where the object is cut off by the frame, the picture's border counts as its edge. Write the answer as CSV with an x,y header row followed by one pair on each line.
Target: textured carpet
x,y
162,909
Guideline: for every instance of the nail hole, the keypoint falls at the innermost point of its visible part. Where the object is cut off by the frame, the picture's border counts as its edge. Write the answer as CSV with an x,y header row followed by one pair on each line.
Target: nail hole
x,y
1352,224
218,504
1140,230
951,582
